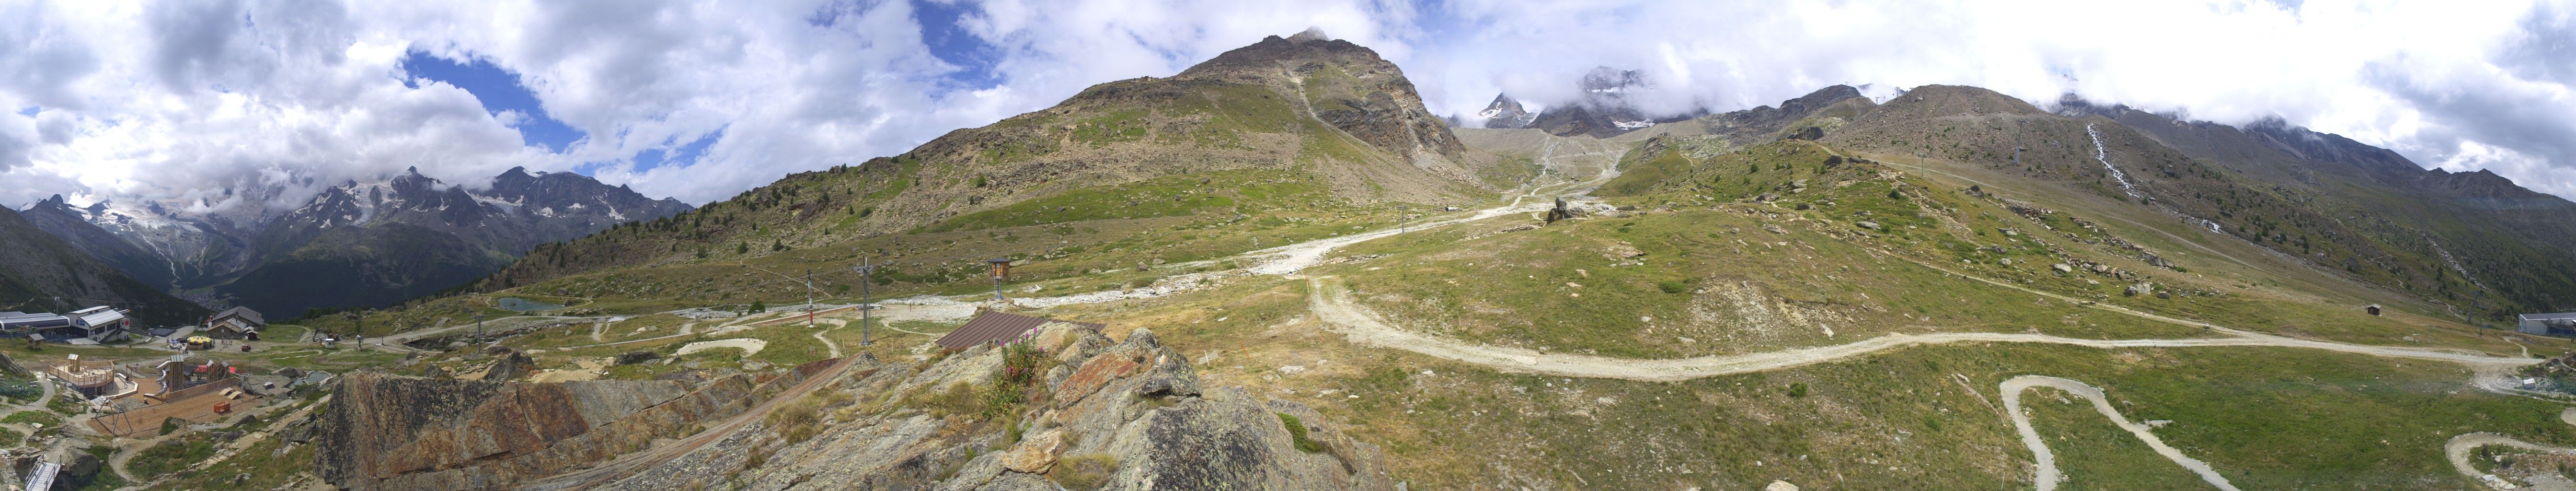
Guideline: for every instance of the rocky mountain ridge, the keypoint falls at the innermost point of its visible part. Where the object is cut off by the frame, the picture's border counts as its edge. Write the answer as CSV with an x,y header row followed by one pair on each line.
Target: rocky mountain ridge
x,y
2470,239
1301,121
1603,110
39,273
353,243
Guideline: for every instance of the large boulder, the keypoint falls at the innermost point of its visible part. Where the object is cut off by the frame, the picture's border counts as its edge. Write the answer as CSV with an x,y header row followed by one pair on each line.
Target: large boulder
x,y
634,357
9,369
2141,288
512,367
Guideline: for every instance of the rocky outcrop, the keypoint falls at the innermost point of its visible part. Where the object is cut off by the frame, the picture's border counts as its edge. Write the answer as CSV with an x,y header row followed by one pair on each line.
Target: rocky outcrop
x,y
409,433
9,368
513,366
1123,415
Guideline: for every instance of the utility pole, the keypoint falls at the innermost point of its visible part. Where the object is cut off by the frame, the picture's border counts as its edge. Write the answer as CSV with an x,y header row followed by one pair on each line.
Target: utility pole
x,y
809,298
865,304
478,328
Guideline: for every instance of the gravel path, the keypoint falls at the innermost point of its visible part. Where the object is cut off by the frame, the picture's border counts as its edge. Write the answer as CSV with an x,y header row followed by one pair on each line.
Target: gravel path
x,y
2048,473
750,346
2458,450
827,342
1331,302
1289,259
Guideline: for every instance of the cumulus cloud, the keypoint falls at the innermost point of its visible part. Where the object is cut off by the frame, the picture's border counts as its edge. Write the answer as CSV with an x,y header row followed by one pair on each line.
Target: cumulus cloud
x,y
214,100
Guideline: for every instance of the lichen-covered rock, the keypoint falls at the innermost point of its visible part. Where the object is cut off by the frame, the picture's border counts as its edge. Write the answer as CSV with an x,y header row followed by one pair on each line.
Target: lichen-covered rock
x,y
1035,454
393,432
1134,405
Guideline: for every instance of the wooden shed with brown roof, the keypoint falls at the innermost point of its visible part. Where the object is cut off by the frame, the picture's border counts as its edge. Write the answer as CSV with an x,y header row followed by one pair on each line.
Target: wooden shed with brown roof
x,y
990,326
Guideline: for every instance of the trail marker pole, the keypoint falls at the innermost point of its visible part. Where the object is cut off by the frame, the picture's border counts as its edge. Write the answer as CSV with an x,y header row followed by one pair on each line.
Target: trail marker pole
x,y
865,304
809,298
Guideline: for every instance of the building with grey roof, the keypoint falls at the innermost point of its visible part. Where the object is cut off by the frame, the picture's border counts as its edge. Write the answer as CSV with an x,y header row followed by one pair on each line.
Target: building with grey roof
x,y
2558,324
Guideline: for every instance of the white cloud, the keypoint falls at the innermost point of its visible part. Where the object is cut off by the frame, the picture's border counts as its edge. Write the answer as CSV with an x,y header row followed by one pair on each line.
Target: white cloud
x,y
186,99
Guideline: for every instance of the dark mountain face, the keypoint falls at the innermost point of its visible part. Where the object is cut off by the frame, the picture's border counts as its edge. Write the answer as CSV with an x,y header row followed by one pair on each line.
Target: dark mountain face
x,y
354,243
1804,117
74,226
40,273
1605,110
1506,113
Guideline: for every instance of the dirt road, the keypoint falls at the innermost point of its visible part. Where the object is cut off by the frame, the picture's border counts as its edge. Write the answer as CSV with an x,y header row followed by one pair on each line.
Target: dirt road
x,y
1289,259
2048,473
1331,302
2458,450
749,346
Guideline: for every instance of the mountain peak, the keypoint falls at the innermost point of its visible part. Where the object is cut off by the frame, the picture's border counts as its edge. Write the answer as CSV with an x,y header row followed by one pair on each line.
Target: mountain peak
x,y
1310,34
1506,113
1344,84
1266,60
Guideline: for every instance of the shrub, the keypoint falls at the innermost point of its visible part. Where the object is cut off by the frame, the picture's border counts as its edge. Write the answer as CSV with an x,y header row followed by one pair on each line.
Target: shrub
x,y
1021,364
795,420
960,398
1672,286
1798,389
1297,433
1084,472
170,456
34,416
21,389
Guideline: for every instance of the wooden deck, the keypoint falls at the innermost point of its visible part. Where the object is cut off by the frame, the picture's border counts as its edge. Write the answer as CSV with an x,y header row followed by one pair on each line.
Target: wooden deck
x,y
146,421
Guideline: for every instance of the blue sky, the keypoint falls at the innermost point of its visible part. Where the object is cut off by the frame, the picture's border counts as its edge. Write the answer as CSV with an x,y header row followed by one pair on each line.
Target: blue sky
x,y
950,42
499,90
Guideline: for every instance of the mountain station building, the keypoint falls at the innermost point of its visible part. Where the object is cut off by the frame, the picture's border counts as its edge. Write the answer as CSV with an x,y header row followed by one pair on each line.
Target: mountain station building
x,y
94,325
2558,324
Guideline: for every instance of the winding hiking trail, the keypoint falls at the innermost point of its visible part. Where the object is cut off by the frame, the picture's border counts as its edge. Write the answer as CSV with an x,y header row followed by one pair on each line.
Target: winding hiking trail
x,y
1331,302
2458,449
1289,259
749,346
827,342
2048,473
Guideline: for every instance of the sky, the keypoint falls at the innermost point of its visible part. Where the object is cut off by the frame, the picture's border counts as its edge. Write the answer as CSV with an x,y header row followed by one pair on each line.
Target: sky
x,y
699,100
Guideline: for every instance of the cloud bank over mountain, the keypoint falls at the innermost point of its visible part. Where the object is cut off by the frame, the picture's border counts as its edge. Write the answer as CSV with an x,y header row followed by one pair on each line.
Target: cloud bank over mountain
x,y
700,100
